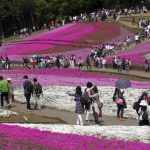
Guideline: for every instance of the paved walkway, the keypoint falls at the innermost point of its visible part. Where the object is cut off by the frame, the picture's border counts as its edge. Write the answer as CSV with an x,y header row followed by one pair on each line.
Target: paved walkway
x,y
70,117
136,73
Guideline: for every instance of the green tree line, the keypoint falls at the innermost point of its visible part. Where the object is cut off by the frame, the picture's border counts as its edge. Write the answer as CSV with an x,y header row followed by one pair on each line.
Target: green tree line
x,y
15,14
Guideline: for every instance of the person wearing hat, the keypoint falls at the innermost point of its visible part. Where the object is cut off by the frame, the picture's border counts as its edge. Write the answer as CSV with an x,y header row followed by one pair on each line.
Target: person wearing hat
x,y
11,91
143,113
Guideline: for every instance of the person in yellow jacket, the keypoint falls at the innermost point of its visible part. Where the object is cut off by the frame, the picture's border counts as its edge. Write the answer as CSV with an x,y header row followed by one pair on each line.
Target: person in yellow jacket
x,y
4,89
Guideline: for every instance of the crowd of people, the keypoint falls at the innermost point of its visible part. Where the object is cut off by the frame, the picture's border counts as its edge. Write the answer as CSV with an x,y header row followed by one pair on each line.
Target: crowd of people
x,y
59,61
89,101
6,91
33,88
4,63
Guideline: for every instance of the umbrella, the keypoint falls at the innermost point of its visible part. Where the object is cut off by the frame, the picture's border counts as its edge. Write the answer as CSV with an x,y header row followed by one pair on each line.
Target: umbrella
x,y
123,83
34,56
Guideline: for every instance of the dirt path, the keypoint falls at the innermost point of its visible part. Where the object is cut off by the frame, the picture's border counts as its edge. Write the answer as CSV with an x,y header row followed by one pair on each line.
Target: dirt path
x,y
70,117
133,74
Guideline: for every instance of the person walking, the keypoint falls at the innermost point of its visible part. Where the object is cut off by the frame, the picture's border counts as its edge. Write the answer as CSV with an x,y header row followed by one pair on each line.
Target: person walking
x,y
11,91
4,89
37,92
28,90
79,107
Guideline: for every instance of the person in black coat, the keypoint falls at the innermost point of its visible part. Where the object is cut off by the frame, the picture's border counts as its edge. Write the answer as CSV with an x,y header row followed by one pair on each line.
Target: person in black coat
x,y
28,89
144,96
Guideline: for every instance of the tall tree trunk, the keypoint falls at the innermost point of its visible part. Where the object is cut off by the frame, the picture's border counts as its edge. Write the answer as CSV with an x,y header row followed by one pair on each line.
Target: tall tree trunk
x,y
1,28
32,18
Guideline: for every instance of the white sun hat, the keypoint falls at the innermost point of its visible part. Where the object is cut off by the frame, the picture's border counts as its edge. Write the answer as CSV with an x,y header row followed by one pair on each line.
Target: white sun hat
x,y
143,103
8,79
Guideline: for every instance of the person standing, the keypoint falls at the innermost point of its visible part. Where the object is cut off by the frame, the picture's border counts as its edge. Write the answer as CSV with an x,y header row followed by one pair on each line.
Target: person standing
x,y
121,104
37,92
4,89
80,63
97,104
79,107
133,20
88,62
143,113
146,65
88,100
28,90
104,62
11,91
137,39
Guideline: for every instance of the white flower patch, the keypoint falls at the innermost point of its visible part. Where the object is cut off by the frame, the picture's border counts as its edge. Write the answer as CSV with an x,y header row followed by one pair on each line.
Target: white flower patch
x,y
7,113
57,97
129,133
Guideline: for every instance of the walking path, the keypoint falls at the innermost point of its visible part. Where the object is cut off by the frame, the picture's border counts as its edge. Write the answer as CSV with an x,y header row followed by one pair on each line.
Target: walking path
x,y
70,117
136,73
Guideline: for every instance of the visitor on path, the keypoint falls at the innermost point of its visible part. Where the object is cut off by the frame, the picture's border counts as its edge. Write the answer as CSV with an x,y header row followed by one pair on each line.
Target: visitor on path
x,y
80,63
144,96
88,62
133,20
79,107
104,63
137,39
7,63
72,61
96,104
4,89
117,94
119,64
121,104
88,100
143,113
128,65
37,92
28,90
114,62
146,65
11,91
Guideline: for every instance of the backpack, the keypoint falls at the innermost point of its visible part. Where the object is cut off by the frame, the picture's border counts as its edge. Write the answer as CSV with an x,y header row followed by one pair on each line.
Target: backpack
x,y
145,116
38,89
30,87
86,97
83,101
136,105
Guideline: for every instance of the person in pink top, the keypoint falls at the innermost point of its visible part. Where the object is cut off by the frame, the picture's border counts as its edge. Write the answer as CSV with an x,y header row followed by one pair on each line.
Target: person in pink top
x,y
80,63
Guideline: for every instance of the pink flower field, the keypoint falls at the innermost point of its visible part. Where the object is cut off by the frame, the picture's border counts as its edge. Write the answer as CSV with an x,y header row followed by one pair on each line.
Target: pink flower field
x,y
68,36
66,77
136,54
20,138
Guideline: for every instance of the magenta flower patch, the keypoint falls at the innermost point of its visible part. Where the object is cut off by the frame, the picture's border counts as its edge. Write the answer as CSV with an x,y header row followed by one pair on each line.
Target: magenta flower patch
x,y
15,137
